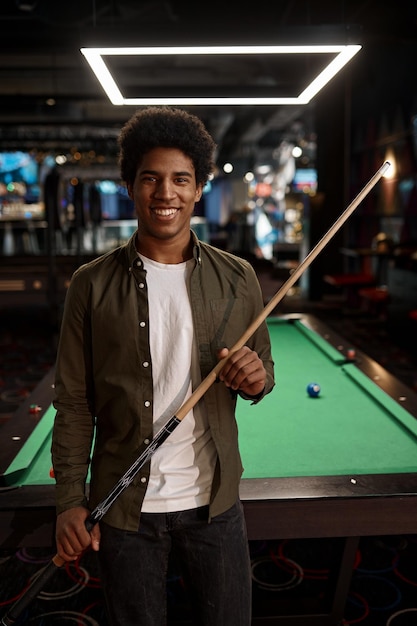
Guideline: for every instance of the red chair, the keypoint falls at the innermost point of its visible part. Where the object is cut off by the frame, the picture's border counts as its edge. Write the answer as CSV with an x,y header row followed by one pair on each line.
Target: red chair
x,y
376,300
350,284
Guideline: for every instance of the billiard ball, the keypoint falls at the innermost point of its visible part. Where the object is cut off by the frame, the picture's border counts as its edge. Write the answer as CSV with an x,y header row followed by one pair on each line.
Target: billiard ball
x,y
313,390
52,473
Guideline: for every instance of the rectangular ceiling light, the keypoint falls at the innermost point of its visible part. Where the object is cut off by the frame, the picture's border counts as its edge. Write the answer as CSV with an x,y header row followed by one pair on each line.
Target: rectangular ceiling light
x,y
340,56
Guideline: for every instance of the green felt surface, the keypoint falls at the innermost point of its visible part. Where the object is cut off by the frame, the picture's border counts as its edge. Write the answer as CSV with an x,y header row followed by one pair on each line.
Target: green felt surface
x,y
352,427
32,464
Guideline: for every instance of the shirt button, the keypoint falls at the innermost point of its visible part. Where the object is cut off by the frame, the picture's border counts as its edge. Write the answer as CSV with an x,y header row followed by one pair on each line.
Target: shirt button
x,y
143,479
142,324
146,441
141,285
147,403
145,364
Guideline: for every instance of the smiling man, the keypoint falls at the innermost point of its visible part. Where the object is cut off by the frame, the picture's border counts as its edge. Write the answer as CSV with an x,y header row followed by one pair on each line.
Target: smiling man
x,y
164,192
143,325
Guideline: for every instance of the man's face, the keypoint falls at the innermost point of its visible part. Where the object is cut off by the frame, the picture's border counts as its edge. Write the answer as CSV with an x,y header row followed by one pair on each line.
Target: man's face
x,y
164,193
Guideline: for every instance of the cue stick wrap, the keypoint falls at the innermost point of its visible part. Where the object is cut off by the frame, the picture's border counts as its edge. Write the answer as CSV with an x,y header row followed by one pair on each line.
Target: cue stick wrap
x,y
32,591
173,422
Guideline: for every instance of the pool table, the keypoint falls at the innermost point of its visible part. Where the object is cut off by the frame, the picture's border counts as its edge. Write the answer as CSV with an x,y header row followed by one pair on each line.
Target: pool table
x,y
342,464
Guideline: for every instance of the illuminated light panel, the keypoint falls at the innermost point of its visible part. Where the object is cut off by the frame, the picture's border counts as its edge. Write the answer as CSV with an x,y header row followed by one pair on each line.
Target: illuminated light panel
x,y
94,56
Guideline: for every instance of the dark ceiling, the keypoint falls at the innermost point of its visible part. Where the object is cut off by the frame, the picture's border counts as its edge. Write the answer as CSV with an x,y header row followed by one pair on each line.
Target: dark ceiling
x,y
50,100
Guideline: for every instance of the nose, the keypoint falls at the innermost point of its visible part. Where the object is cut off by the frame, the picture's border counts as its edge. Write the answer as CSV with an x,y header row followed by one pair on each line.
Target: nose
x,y
164,189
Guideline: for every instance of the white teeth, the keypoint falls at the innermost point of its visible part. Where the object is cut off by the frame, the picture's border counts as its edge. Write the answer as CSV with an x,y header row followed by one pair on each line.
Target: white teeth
x,y
165,211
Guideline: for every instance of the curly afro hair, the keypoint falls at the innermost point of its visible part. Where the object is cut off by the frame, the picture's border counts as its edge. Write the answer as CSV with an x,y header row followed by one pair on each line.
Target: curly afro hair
x,y
165,127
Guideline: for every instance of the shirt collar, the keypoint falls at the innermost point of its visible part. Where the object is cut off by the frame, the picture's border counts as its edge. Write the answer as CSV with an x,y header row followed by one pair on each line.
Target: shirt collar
x,y
196,248
132,253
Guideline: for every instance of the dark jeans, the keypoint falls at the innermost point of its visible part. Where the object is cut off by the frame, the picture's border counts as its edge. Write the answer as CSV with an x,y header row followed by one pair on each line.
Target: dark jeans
x,y
215,566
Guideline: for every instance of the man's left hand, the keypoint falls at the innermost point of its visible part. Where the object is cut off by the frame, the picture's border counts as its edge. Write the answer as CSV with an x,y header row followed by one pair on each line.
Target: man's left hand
x,y
243,371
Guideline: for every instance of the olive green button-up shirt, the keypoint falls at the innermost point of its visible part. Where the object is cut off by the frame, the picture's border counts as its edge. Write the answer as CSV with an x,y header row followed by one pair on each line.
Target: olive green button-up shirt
x,y
104,389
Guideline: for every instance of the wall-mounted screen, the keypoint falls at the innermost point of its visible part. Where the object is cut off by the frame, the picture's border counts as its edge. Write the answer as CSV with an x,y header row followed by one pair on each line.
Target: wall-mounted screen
x,y
19,177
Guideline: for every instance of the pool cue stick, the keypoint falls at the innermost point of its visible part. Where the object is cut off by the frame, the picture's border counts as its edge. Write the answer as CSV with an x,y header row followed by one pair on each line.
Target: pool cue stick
x,y
127,478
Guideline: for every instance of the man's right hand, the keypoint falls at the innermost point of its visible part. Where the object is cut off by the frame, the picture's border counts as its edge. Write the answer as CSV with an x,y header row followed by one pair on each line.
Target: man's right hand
x,y
72,537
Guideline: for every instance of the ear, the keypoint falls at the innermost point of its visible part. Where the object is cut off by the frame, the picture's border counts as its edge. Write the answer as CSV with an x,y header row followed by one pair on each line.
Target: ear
x,y
130,190
199,192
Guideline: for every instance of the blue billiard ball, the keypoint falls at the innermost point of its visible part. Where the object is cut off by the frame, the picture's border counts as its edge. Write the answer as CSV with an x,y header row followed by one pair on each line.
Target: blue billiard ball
x,y
313,390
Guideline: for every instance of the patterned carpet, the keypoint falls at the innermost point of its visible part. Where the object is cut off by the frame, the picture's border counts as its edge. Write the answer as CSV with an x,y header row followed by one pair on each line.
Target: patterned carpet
x,y
286,574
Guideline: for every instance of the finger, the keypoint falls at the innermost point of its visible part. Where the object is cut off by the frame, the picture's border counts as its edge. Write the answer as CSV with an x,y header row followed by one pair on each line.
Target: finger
x,y
236,376
238,361
74,539
66,551
247,374
222,353
74,545
244,377
95,537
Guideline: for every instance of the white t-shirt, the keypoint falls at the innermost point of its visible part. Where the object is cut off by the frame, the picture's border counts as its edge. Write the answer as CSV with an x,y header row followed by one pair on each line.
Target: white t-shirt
x,y
182,468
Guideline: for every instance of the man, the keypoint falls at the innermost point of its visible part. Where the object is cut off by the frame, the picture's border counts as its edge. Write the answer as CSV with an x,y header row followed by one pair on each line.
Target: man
x,y
142,326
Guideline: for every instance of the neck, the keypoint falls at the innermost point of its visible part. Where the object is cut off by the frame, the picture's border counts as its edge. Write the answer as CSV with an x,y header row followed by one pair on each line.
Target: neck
x,y
166,252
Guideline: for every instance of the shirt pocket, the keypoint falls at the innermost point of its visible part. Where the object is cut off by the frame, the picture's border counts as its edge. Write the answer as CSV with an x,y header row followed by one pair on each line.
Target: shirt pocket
x,y
228,318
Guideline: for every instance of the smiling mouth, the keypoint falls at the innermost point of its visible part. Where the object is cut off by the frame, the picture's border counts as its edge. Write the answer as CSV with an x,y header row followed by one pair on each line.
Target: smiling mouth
x,y
165,212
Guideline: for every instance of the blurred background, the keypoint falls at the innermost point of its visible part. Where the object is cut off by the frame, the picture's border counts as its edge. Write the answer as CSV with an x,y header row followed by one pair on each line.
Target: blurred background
x,y
284,172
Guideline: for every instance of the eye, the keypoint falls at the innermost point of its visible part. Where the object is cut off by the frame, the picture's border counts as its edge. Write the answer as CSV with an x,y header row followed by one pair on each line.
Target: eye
x,y
148,178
